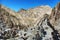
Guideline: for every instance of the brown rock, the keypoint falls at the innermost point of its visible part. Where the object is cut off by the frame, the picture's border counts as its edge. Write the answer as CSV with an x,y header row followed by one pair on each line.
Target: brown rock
x,y
55,17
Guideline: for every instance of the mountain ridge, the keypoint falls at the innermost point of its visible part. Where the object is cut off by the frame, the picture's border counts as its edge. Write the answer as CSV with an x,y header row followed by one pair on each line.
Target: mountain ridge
x,y
28,14
40,23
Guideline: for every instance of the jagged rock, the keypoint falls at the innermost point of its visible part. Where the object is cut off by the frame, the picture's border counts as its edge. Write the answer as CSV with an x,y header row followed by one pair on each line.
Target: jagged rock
x,y
34,14
33,24
55,17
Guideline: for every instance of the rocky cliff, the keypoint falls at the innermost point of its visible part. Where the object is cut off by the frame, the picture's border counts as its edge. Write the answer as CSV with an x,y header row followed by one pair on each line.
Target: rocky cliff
x,y
55,17
39,23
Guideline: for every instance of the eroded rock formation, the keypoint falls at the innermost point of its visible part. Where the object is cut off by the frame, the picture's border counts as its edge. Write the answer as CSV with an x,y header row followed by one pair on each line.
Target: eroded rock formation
x,y
40,23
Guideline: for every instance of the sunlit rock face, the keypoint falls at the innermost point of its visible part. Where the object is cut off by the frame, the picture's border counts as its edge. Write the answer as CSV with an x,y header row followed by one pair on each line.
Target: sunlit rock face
x,y
40,23
55,17
24,17
11,18
32,15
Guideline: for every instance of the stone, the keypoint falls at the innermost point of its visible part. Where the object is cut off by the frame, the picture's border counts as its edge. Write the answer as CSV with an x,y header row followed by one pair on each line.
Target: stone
x,y
39,23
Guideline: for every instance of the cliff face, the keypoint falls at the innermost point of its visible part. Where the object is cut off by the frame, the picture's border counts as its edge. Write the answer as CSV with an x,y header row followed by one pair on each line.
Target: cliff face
x,y
23,17
55,17
33,15
55,14
10,18
40,23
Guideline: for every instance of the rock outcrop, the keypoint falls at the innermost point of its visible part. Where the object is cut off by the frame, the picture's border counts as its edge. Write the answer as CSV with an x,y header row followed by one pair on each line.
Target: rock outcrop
x,y
40,23
55,17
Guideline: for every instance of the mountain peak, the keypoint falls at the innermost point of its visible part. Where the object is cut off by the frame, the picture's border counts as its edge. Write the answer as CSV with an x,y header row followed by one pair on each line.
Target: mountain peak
x,y
31,23
21,10
58,6
55,16
26,17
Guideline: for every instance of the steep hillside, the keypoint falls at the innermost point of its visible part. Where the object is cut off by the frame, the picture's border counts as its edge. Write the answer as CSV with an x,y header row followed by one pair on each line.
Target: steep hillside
x,y
39,23
55,17
24,17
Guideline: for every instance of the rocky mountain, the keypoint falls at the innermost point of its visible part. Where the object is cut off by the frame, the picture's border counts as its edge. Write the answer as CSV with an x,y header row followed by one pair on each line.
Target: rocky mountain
x,y
55,17
35,14
26,17
39,23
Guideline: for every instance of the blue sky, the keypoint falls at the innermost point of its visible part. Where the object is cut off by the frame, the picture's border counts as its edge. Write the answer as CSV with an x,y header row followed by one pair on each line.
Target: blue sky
x,y
26,4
